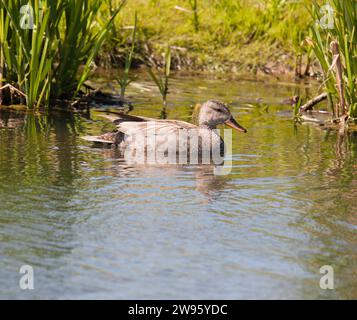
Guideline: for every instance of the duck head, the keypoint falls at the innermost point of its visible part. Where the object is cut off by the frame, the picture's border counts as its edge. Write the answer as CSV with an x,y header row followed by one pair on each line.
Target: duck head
x,y
214,113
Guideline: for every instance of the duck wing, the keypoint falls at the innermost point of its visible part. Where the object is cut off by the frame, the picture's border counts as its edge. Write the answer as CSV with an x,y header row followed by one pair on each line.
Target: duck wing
x,y
154,127
130,126
120,118
115,137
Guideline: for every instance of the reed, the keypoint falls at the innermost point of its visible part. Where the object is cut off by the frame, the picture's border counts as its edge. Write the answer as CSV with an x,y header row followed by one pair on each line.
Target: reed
x,y
45,44
335,46
3,36
125,80
162,83
195,19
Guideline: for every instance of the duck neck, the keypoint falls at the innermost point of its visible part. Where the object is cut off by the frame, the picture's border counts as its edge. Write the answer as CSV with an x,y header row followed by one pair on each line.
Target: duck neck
x,y
206,125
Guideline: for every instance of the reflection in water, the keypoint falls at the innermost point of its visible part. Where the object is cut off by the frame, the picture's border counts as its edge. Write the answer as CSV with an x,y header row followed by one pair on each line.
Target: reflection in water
x,y
209,184
331,220
94,226
10,120
206,181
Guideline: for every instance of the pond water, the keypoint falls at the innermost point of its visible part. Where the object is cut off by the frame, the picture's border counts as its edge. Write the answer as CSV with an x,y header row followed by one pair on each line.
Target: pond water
x,y
93,226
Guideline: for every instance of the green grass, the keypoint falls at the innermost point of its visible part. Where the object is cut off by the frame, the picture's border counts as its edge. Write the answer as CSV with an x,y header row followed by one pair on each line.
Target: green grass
x,y
343,34
211,34
52,59
218,34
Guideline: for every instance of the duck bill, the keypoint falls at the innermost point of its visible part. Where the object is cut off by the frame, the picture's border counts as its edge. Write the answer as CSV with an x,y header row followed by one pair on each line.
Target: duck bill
x,y
235,125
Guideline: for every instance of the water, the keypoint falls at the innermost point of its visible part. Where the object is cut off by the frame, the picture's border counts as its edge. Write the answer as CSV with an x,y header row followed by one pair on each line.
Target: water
x,y
94,227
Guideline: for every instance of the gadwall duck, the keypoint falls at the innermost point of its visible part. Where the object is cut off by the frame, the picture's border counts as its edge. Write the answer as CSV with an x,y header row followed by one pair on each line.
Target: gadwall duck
x,y
133,130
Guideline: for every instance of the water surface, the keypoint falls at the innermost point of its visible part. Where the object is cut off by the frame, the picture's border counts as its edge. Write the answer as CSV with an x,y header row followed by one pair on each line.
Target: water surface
x,y
93,226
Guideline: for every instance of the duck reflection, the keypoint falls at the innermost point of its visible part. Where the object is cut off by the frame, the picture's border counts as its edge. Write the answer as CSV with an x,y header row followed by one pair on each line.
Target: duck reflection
x,y
207,182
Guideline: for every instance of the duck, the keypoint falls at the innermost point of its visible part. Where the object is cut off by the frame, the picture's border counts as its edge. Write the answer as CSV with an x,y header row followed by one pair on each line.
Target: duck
x,y
135,132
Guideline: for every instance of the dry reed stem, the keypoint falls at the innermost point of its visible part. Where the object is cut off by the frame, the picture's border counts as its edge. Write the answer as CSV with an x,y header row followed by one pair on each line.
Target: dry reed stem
x,y
339,81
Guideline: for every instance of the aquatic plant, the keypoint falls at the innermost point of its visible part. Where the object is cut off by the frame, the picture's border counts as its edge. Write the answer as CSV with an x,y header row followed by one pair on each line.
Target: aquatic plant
x,y
162,83
3,36
334,43
194,12
49,46
124,81
297,105
195,21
